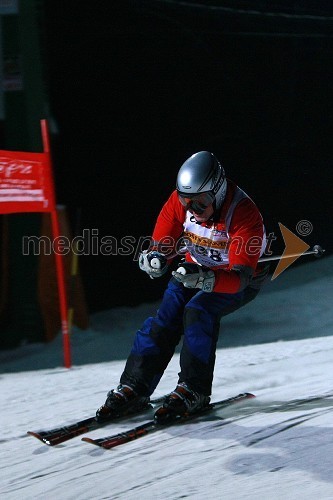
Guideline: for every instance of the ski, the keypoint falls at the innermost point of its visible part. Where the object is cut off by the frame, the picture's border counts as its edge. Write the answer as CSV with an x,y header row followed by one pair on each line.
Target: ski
x,y
59,435
109,442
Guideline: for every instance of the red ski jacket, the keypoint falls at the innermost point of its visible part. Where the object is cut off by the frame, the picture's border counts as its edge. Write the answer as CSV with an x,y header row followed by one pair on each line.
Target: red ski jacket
x,y
230,243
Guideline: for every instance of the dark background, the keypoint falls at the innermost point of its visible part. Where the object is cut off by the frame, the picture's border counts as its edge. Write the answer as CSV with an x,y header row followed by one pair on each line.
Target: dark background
x,y
136,87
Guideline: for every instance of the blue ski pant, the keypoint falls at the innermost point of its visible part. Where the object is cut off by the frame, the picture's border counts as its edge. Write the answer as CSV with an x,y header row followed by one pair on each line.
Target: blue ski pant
x,y
197,316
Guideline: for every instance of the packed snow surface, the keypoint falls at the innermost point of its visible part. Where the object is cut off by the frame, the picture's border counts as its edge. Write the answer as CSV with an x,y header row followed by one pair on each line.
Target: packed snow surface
x,y
276,446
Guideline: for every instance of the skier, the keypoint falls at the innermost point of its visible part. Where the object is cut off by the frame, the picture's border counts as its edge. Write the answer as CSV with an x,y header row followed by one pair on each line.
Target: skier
x,y
223,234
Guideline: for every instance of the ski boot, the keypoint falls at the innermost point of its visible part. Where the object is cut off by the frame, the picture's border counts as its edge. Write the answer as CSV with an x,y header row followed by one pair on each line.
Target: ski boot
x,y
121,401
179,403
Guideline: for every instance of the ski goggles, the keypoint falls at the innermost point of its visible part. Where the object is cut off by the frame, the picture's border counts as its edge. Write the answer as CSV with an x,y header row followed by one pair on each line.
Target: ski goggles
x,y
196,202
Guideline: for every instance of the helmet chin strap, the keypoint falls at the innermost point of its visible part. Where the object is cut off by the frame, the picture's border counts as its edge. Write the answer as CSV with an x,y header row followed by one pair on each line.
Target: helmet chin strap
x,y
217,211
214,205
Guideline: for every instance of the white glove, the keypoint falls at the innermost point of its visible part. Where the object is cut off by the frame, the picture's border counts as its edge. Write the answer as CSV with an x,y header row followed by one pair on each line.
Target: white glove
x,y
153,263
195,276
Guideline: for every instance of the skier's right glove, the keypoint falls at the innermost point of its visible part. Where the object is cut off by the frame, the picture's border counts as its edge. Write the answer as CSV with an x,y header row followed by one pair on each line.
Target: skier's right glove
x,y
195,276
153,263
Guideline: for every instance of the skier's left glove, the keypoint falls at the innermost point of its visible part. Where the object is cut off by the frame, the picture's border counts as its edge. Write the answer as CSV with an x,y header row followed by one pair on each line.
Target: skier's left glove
x,y
153,263
195,276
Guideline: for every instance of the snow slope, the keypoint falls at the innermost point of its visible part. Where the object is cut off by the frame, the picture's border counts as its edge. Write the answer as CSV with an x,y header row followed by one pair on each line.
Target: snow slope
x,y
277,446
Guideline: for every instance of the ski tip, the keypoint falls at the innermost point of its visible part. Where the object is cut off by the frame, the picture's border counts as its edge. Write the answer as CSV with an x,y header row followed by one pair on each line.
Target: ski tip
x,y
39,437
92,441
88,440
35,435
250,395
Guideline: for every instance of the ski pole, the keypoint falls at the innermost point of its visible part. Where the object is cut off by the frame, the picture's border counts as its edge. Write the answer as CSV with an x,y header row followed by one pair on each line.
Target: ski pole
x,y
317,251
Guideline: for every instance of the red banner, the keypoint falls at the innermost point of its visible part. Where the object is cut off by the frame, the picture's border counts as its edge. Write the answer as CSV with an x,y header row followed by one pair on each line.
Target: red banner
x,y
26,185
25,182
